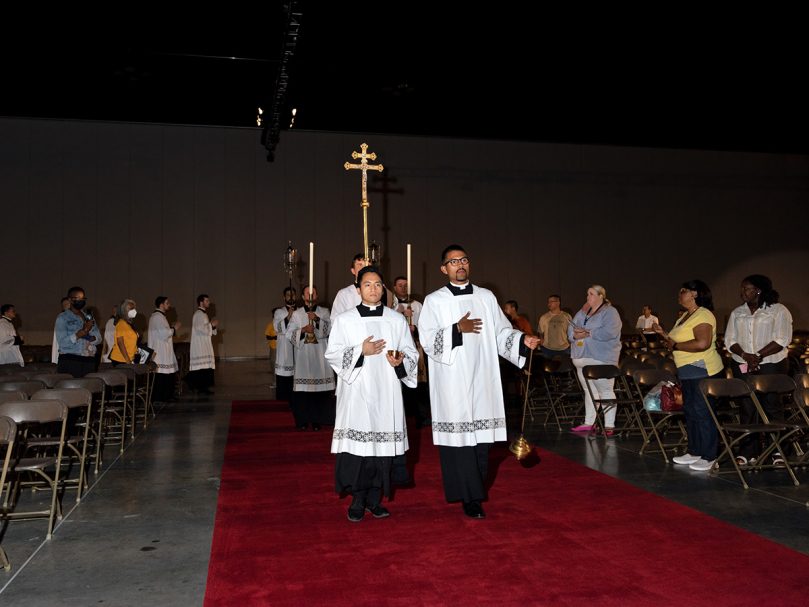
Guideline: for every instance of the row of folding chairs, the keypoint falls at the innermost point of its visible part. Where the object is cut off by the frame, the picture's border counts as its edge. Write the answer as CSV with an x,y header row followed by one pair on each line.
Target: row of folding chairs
x,y
99,409
555,393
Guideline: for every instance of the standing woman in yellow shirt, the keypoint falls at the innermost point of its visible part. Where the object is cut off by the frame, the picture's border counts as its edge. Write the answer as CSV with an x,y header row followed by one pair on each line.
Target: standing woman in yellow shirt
x,y
692,341
126,339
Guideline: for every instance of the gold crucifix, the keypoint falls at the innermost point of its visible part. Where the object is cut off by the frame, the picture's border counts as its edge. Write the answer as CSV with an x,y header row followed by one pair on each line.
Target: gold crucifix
x,y
363,166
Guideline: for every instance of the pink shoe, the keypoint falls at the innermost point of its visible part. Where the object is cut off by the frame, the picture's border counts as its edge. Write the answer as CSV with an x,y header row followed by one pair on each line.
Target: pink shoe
x,y
582,428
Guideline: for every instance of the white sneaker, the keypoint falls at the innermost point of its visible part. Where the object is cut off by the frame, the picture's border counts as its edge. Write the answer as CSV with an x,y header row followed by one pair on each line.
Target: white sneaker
x,y
702,465
686,459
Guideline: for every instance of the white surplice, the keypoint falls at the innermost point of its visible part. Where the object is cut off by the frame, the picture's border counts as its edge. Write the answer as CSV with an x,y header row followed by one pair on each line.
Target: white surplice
x,y
161,340
370,419
466,394
401,306
346,299
9,352
202,355
109,340
312,373
284,350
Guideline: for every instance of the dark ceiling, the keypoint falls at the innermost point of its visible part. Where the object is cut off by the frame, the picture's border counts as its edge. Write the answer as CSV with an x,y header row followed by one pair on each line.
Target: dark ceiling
x,y
413,68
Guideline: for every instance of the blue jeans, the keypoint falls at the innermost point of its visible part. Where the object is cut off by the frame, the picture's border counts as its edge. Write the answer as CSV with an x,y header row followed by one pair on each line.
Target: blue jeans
x,y
703,439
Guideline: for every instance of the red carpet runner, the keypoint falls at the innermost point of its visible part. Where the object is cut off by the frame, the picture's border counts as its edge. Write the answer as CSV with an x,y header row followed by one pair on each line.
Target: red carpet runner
x,y
556,534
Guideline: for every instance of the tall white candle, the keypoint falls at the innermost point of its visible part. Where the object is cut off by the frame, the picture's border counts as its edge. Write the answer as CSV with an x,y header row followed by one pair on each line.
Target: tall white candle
x,y
311,268
408,270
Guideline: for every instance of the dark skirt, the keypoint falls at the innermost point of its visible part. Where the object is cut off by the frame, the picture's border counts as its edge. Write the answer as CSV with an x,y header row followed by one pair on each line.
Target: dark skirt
x,y
357,475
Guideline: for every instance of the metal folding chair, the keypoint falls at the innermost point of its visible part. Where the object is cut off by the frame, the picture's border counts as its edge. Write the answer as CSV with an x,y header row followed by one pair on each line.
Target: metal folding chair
x,y
658,423
724,411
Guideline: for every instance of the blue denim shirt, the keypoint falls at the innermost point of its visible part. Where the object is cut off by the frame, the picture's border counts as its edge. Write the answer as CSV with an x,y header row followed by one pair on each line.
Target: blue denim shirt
x,y
67,325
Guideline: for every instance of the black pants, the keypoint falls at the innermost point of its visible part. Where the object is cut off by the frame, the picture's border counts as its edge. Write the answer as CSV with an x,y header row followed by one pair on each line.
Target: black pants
x,y
200,380
75,365
164,386
771,403
283,387
366,478
464,471
313,408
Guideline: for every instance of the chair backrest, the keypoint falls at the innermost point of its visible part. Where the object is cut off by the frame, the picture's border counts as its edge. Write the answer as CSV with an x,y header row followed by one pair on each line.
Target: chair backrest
x,y
651,377
725,388
10,370
72,397
12,377
35,411
601,372
42,367
28,386
6,397
802,379
8,434
668,365
110,377
630,364
777,383
8,431
94,384
51,379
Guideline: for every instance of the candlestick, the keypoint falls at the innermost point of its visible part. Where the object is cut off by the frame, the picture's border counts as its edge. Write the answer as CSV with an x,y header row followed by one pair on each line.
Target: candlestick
x,y
408,271
311,270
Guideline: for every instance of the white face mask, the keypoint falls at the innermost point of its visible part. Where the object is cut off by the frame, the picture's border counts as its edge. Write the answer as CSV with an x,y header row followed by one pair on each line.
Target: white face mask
x,y
132,313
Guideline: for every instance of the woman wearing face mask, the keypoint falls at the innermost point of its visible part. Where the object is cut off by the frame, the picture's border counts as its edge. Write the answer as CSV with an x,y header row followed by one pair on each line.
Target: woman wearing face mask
x,y
595,339
126,339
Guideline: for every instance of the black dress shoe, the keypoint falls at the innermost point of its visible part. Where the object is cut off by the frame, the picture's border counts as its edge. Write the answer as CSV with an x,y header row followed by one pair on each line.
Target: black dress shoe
x,y
315,427
473,510
356,510
378,511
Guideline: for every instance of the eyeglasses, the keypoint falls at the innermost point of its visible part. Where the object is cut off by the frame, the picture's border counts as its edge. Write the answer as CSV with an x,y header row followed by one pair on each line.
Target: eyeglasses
x,y
457,261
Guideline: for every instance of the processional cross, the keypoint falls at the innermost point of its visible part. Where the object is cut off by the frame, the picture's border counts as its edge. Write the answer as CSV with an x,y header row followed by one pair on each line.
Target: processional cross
x,y
364,167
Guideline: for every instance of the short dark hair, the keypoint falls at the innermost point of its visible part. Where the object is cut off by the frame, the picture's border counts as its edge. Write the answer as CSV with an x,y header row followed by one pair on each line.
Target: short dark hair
x,y
358,257
288,290
768,295
512,302
555,296
160,300
452,247
704,299
72,290
5,308
201,297
369,270
398,278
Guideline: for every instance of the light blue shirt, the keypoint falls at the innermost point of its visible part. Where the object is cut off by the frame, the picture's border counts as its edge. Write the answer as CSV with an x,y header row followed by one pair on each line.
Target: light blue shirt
x,y
604,342
67,325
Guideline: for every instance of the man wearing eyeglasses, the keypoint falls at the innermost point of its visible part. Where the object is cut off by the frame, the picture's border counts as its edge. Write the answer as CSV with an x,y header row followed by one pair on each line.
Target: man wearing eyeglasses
x,y
463,330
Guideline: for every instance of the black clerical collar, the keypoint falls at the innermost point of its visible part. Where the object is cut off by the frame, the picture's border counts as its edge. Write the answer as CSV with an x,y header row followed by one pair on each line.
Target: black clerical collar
x,y
464,290
364,310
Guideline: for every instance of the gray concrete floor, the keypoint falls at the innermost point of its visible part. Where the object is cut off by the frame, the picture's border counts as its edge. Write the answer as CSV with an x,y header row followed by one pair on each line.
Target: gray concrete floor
x,y
142,535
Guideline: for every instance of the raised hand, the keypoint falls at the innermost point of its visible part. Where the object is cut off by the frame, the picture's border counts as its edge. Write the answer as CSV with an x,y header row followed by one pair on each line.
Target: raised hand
x,y
370,347
469,325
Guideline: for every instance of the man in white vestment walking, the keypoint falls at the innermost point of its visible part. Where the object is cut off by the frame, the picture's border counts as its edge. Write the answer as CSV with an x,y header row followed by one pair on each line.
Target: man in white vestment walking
x,y
313,382
284,350
348,297
463,330
201,367
372,352
161,340
10,342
